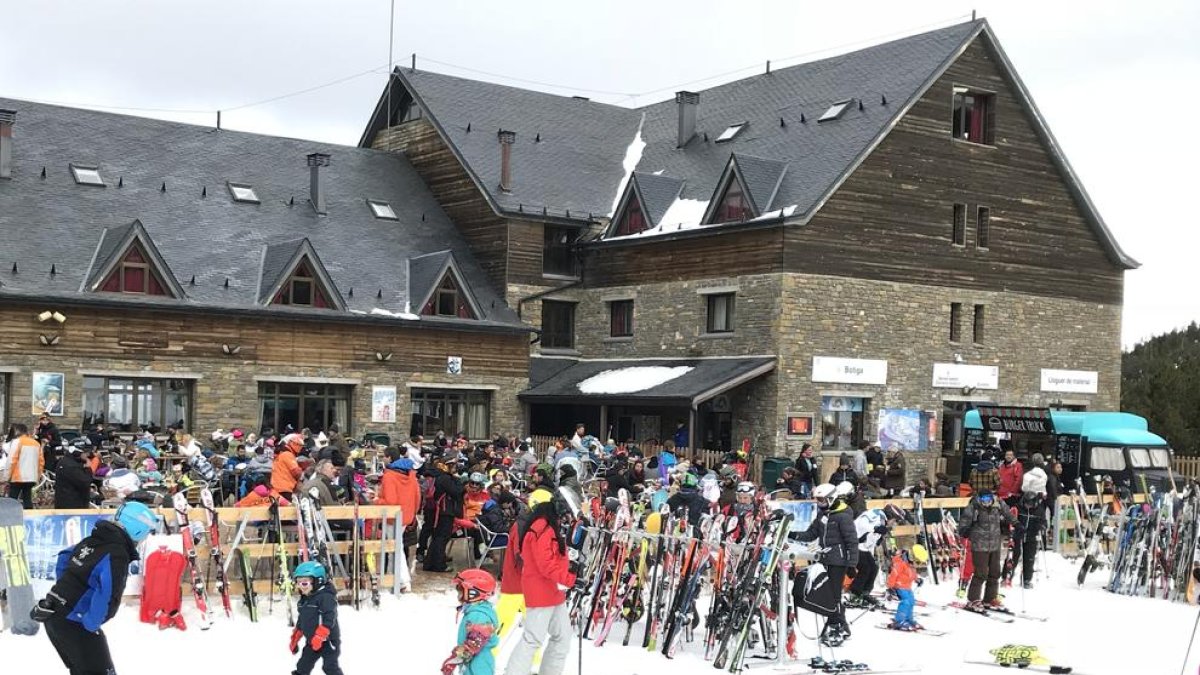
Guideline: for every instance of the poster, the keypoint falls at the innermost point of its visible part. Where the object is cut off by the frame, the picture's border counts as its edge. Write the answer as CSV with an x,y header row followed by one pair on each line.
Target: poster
x,y
803,513
454,365
383,404
900,429
45,536
48,393
800,425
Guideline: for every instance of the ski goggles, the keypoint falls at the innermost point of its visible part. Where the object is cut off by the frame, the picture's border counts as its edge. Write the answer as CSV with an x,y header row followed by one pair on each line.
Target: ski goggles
x,y
304,583
986,499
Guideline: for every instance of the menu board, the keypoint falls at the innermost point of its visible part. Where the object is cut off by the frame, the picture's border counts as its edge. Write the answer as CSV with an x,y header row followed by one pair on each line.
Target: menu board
x,y
1066,448
975,442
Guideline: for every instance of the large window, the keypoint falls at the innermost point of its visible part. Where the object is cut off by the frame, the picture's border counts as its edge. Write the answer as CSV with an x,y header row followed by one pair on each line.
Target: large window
x,y
301,289
134,275
557,257
558,324
841,422
450,411
720,313
620,318
126,404
1107,459
315,406
972,119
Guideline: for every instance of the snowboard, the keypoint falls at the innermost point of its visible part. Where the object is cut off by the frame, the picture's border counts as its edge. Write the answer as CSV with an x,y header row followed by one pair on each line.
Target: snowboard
x,y
1024,657
14,570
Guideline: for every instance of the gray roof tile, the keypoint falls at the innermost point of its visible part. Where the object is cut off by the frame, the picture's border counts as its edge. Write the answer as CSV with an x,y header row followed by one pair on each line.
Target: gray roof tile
x,y
658,193
761,177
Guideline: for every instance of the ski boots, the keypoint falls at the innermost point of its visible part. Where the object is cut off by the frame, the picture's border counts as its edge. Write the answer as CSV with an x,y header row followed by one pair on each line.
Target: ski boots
x,y
862,601
911,627
834,636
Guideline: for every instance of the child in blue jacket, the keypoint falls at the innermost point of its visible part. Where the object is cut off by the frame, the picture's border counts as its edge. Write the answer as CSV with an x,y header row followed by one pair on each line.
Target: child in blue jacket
x,y
477,632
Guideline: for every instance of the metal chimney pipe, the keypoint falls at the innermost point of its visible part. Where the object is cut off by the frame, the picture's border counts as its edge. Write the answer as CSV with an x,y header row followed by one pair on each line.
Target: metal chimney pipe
x,y
316,191
688,102
506,138
7,117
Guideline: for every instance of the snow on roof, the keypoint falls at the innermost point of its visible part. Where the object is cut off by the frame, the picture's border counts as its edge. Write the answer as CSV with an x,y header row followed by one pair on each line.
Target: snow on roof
x,y
633,155
683,214
632,379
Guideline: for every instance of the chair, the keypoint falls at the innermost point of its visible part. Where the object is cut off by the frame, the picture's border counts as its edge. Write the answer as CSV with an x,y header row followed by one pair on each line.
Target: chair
x,y
493,541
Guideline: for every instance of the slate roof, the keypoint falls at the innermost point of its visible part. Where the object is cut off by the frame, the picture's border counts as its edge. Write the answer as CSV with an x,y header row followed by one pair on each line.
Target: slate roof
x,y
112,239
551,381
52,221
579,161
762,178
426,272
657,192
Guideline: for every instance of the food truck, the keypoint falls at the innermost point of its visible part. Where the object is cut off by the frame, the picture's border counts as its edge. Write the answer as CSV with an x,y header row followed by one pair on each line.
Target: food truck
x,y
1090,445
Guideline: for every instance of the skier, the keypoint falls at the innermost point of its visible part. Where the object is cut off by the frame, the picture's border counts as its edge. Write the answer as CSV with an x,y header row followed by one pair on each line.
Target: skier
x,y
477,632
871,526
73,480
90,580
1031,520
833,530
689,497
316,621
900,580
285,472
447,505
400,487
982,522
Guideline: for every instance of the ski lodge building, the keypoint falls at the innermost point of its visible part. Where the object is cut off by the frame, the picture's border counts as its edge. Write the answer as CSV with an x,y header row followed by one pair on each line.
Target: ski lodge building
x,y
858,248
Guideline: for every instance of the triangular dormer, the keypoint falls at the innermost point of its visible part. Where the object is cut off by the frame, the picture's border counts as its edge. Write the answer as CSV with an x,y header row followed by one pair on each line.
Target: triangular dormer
x,y
746,189
437,286
127,261
631,215
293,275
646,200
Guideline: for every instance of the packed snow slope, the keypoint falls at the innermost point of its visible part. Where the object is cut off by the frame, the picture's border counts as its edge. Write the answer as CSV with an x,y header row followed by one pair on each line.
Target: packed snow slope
x,y
1090,629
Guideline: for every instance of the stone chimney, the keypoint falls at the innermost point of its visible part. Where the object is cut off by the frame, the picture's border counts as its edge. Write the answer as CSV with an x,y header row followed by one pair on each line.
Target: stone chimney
x,y
316,191
688,102
506,138
7,117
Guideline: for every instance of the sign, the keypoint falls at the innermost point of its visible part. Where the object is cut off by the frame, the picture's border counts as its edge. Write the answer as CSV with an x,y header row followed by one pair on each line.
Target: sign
x,y
1072,381
841,404
800,425
48,393
454,365
900,429
383,404
959,375
849,371
1018,420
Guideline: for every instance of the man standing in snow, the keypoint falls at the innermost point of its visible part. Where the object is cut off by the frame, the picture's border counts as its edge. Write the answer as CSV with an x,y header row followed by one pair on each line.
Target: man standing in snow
x,y
985,522
1011,473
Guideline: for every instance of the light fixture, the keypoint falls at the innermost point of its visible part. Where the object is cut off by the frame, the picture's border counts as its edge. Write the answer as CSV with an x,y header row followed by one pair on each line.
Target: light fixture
x,y
49,340
59,318
958,358
231,350
45,316
382,357
967,391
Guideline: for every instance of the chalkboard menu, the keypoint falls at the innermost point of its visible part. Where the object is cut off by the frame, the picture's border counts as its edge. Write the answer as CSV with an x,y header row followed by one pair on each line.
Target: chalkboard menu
x,y
975,442
1067,447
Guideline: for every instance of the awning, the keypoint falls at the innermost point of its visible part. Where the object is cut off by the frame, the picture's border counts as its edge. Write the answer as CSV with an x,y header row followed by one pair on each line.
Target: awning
x,y
667,382
1011,419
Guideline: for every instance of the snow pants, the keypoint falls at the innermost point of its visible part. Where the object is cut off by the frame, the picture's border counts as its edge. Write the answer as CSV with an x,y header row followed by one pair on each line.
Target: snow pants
x,y
540,623
435,555
904,612
868,569
329,653
22,492
1026,555
82,651
988,566
837,577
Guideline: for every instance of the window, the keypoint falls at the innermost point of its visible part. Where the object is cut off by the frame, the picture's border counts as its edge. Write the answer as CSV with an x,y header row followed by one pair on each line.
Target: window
x,y
972,116
314,406
633,220
955,315
733,207
1106,459
447,300
134,274
730,132
1160,457
557,257
835,111
382,210
450,411
243,193
620,318
720,313
842,422
983,216
87,175
301,289
959,231
978,326
1140,458
128,405
558,325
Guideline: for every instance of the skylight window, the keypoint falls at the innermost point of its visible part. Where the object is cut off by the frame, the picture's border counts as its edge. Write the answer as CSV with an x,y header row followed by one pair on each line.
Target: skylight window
x,y
835,111
730,132
243,193
382,209
87,175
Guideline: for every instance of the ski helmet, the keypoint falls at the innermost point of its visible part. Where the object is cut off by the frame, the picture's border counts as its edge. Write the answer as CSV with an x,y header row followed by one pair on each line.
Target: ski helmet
x,y
474,585
689,480
824,491
539,496
893,512
746,488
137,520
477,478
844,489
920,554
309,568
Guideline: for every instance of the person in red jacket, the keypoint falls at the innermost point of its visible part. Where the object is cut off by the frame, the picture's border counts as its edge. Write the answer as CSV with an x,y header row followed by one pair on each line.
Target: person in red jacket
x,y
1011,472
546,576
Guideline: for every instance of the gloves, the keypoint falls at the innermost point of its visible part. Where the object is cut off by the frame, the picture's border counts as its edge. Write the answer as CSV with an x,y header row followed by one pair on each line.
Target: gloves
x,y
320,635
451,664
294,644
882,529
851,572
42,611
920,581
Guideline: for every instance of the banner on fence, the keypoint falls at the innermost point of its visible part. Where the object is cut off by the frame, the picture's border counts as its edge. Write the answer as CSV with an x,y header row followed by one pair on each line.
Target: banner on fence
x,y
46,535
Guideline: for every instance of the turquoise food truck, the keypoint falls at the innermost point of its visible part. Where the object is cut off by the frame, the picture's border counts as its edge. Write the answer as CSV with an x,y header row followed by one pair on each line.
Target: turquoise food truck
x,y
1090,445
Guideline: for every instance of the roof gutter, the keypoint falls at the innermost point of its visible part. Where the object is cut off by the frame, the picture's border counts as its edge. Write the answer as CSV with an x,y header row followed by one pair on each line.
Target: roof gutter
x,y
696,233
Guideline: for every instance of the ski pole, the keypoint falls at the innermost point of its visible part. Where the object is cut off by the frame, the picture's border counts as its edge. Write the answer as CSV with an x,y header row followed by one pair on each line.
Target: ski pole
x,y
1190,643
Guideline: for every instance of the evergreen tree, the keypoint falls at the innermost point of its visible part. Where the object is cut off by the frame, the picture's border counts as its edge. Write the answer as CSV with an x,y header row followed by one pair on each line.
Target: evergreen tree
x,y
1160,380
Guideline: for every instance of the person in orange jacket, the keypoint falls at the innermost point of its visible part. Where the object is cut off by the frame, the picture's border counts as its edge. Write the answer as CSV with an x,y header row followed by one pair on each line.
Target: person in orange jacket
x,y
399,486
900,580
285,471
28,463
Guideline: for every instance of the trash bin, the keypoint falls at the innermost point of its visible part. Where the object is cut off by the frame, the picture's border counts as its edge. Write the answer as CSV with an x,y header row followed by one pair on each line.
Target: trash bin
x,y
772,469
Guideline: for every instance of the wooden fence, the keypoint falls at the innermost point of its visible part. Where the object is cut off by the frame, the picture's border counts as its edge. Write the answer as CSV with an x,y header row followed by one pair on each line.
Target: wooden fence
x,y
1187,467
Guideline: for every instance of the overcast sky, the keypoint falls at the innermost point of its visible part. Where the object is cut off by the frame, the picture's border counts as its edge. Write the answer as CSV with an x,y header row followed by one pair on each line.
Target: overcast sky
x,y
1116,80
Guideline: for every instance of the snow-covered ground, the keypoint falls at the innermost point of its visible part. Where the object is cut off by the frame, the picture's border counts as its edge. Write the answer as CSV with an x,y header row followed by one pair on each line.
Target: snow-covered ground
x,y
1092,630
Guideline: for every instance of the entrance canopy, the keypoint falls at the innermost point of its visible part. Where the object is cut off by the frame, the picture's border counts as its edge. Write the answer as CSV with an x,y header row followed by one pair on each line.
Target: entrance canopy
x,y
665,382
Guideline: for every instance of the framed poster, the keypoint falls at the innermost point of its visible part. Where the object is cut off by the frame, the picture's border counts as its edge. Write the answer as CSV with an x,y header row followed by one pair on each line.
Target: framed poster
x,y
383,404
454,365
48,393
800,425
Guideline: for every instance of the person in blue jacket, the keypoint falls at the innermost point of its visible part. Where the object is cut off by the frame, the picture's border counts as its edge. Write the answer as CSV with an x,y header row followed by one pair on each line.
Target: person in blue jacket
x,y
90,581
478,632
316,621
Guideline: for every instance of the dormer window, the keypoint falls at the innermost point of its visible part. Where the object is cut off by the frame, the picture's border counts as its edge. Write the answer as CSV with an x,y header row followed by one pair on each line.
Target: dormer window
x,y
243,193
633,220
301,289
730,132
835,111
972,116
87,175
448,300
734,206
134,274
382,210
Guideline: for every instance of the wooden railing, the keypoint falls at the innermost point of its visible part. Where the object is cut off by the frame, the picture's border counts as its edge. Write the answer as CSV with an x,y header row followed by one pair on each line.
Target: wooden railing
x,y
1187,467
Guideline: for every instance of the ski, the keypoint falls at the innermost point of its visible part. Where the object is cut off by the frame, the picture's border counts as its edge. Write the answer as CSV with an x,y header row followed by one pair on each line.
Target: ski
x,y
987,613
285,577
214,542
189,549
918,631
248,594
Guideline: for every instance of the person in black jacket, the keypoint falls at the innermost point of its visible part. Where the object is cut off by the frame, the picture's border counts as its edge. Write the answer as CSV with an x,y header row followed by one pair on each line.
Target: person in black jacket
x,y
618,481
316,621
833,530
806,470
844,472
90,581
447,505
72,481
689,497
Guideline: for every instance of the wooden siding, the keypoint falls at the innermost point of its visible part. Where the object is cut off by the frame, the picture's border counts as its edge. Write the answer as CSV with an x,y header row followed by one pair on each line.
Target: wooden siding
x,y
452,186
729,254
891,220
525,243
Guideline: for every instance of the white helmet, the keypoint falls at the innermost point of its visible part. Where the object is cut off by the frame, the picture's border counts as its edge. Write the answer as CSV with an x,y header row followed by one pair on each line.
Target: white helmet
x,y
824,491
844,489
